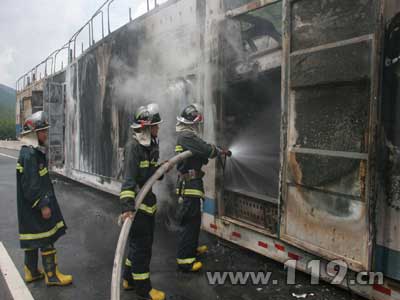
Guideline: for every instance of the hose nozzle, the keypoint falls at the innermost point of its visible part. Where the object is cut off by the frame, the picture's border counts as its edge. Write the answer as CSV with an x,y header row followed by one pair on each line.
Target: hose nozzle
x,y
226,152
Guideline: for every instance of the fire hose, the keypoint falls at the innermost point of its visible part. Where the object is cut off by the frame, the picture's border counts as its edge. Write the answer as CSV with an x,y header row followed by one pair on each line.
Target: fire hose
x,y
126,227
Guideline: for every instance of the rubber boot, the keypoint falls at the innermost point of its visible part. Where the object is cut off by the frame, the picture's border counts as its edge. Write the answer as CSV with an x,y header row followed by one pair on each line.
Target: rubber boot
x,y
52,275
201,249
196,266
127,282
32,273
156,295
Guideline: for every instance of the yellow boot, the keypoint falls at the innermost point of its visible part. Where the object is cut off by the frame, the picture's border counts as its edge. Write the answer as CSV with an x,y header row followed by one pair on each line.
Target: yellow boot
x,y
127,286
189,264
202,249
156,295
32,276
196,266
52,274
32,273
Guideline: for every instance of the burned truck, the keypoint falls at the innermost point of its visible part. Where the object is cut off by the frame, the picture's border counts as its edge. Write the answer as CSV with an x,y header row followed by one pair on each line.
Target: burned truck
x,y
304,92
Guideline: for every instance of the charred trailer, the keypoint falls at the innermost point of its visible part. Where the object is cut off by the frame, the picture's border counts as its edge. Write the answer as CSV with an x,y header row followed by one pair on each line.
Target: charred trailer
x,y
304,92
307,102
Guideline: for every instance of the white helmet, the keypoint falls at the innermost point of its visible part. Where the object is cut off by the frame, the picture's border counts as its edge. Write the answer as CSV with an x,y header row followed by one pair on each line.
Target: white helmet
x,y
37,121
147,116
191,115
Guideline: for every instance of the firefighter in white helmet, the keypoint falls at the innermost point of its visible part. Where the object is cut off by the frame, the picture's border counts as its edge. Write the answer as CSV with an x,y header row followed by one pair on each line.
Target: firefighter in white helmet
x,y
190,189
39,216
140,163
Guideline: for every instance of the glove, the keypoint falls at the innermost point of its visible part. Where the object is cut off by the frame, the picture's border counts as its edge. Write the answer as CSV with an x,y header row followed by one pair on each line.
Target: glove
x,y
44,201
124,216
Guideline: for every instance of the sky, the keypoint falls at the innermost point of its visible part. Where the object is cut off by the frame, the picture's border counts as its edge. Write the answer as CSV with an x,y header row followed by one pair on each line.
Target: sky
x,y
31,30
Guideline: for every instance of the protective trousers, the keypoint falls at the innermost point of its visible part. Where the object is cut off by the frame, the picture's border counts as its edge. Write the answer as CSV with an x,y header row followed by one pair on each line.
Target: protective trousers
x,y
139,252
32,257
189,219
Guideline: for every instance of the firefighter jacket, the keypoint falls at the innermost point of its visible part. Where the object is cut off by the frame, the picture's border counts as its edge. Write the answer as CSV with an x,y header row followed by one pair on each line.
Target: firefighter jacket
x,y
191,182
35,191
140,163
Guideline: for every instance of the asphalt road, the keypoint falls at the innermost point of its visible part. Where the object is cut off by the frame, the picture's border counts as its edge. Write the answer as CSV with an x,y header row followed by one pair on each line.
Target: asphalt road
x,y
87,252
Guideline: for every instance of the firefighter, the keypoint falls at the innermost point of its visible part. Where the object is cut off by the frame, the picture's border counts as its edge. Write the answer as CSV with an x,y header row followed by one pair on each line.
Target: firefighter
x,y
190,189
140,163
39,216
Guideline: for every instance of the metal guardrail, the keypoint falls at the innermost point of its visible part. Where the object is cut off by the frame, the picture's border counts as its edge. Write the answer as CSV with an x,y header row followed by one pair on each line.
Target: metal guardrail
x,y
49,65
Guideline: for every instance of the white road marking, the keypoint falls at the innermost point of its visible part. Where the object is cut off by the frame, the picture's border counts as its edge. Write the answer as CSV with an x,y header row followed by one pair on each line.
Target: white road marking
x,y
13,280
9,156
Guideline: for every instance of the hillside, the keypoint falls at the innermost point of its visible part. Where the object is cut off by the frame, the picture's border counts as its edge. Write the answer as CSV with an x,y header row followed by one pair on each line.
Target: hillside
x,y
7,112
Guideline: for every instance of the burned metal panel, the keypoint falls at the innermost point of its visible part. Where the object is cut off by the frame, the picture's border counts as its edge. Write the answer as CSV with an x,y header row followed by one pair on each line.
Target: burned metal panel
x,y
340,64
95,124
251,42
342,176
145,61
26,107
72,151
57,77
332,117
317,22
54,99
331,86
108,103
37,101
328,224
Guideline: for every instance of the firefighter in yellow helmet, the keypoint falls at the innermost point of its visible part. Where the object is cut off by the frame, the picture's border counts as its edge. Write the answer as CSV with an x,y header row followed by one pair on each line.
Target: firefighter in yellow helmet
x,y
140,163
39,216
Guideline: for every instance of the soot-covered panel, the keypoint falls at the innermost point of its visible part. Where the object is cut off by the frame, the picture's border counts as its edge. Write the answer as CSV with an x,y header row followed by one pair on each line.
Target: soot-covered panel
x,y
95,156
101,131
317,22
37,101
332,117
328,224
342,64
330,78
335,174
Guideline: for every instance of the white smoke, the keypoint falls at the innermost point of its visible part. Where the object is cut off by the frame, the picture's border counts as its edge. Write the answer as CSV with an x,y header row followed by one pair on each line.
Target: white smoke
x,y
165,74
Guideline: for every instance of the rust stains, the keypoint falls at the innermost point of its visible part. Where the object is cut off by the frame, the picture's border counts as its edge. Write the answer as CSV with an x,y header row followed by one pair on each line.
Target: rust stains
x,y
362,176
295,168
